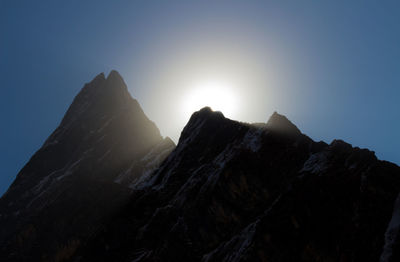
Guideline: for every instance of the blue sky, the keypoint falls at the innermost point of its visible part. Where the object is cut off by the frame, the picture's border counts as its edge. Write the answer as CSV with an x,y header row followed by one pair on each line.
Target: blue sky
x,y
333,67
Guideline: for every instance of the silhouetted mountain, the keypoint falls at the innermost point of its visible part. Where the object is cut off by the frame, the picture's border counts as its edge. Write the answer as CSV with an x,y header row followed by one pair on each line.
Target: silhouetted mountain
x,y
229,191
238,192
81,175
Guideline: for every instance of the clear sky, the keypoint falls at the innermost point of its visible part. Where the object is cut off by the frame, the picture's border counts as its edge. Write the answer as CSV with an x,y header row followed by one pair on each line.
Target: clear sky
x,y
332,67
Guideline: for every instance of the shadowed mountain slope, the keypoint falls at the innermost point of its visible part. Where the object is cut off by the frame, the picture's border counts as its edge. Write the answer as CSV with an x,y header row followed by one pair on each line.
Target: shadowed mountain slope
x,y
238,192
105,186
81,175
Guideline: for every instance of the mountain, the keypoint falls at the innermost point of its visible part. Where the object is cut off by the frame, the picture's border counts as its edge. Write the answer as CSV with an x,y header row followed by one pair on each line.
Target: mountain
x,y
233,191
83,174
107,187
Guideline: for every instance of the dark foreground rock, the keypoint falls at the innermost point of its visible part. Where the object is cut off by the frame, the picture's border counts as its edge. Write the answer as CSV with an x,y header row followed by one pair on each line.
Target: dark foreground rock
x,y
238,192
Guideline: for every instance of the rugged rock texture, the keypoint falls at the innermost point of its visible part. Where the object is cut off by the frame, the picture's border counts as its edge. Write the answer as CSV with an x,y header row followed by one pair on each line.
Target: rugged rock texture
x,y
229,191
82,174
238,192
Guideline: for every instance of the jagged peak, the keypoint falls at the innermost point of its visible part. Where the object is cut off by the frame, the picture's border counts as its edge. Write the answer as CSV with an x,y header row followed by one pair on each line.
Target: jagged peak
x,y
101,93
207,112
100,76
101,86
198,118
114,79
114,75
204,114
282,124
98,80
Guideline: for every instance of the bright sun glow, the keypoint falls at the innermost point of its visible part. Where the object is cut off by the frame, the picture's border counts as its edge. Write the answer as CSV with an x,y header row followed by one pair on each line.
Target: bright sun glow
x,y
217,95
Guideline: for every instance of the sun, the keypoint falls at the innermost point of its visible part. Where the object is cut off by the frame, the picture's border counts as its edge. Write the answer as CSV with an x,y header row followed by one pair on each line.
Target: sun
x,y
216,94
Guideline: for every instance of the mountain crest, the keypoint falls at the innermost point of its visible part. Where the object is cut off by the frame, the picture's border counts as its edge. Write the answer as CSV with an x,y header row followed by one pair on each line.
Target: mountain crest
x,y
203,119
116,80
101,96
281,124
207,112
99,77
107,183
85,169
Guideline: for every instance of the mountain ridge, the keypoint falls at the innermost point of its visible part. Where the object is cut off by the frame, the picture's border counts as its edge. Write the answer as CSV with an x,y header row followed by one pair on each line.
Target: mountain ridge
x,y
222,191
106,186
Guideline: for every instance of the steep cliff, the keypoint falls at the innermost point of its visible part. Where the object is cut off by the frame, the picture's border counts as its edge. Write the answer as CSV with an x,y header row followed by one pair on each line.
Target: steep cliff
x,y
82,174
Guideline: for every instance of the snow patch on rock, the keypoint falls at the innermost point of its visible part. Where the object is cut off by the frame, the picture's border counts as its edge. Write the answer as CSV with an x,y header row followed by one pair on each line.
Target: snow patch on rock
x,y
252,140
316,163
392,232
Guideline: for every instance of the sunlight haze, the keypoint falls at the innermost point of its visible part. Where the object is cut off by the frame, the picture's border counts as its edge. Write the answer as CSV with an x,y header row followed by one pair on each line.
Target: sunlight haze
x,y
331,67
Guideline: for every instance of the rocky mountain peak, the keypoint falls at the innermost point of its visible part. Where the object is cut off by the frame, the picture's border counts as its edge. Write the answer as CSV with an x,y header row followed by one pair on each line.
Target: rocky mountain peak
x,y
86,168
101,96
115,79
203,119
99,77
207,112
281,124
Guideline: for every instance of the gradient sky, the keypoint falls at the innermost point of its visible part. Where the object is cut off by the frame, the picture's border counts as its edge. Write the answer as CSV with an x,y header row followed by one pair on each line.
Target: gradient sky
x,y
332,67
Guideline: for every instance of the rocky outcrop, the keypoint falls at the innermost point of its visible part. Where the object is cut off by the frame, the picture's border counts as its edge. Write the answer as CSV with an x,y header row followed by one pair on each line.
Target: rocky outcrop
x,y
69,188
106,186
238,192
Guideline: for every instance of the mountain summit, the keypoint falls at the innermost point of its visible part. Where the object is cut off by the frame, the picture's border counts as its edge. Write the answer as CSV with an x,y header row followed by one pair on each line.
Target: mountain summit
x,y
281,124
106,186
81,175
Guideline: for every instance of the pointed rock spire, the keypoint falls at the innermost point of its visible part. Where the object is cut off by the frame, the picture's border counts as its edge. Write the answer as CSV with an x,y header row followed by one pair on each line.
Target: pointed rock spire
x,y
114,79
80,176
105,105
281,124
100,96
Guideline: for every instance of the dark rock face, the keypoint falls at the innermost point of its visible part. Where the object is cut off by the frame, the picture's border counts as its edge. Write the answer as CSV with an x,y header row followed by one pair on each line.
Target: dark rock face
x,y
237,192
229,191
82,174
